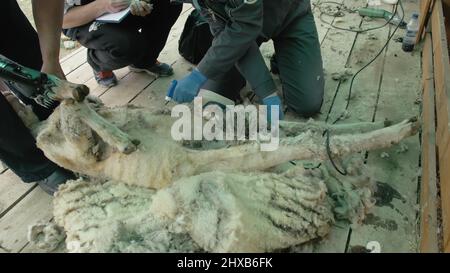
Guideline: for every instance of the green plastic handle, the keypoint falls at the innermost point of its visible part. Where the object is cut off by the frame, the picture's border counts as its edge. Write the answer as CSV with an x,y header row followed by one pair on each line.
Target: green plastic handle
x,y
372,12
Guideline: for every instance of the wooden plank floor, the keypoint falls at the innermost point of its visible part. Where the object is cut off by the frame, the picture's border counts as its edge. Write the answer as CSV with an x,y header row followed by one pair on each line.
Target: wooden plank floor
x,y
390,83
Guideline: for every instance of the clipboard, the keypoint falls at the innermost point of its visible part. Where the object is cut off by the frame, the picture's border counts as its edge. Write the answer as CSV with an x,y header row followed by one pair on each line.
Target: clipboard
x,y
116,17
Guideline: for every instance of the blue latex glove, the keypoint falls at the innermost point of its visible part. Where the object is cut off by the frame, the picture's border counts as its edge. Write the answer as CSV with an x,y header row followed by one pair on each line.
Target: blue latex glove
x,y
273,101
187,88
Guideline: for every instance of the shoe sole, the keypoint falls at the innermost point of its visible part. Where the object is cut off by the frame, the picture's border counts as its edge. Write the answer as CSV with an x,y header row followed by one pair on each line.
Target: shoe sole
x,y
114,83
107,85
141,70
47,189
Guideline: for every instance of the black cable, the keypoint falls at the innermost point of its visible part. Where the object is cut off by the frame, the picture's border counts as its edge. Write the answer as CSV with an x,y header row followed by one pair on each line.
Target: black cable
x,y
327,132
328,149
319,5
327,145
373,59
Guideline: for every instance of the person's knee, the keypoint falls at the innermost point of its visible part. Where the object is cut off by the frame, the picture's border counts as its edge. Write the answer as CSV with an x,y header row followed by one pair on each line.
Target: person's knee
x,y
306,103
127,47
307,108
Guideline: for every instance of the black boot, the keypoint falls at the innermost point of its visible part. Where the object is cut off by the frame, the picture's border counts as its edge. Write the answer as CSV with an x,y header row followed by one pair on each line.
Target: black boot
x,y
51,183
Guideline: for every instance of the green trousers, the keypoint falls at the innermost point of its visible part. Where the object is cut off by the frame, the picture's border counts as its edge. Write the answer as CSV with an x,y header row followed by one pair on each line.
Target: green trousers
x,y
299,61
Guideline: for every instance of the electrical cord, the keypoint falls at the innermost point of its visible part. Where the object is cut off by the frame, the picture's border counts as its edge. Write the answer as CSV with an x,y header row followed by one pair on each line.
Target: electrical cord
x,y
371,61
320,7
327,132
327,144
340,14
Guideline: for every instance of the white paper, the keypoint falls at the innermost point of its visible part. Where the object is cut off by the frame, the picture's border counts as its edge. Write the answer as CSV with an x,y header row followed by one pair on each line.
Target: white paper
x,y
114,17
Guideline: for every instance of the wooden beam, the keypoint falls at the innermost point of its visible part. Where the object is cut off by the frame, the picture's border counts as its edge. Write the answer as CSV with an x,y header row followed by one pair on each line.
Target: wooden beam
x,y
441,69
442,89
428,187
425,6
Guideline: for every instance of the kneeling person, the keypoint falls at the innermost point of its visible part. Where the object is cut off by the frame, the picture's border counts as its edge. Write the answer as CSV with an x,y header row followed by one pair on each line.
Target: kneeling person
x,y
239,27
136,41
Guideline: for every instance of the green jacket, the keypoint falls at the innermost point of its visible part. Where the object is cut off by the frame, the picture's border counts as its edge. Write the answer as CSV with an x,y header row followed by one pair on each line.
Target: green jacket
x,y
236,26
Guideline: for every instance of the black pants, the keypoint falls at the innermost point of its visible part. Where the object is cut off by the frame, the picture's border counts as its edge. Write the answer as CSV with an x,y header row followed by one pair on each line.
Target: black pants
x,y
134,41
18,149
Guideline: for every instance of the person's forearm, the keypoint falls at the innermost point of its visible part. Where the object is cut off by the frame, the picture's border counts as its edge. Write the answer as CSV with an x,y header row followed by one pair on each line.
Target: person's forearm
x,y
81,15
48,19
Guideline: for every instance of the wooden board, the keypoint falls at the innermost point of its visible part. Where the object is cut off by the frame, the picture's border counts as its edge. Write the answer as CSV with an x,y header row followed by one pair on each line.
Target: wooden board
x,y
425,8
336,49
392,222
12,189
366,87
441,69
428,188
444,179
35,207
442,89
70,55
336,46
355,52
130,87
81,75
153,95
336,240
78,59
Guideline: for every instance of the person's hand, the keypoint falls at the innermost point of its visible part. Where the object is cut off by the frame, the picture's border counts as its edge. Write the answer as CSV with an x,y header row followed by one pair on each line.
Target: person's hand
x,y
60,90
273,101
187,88
53,68
112,6
140,8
